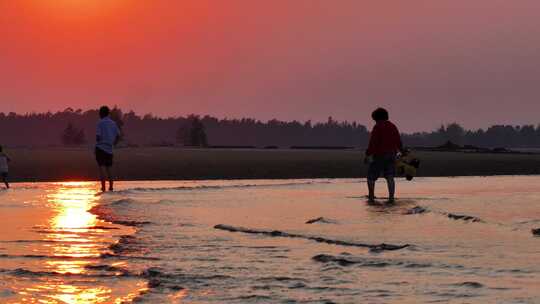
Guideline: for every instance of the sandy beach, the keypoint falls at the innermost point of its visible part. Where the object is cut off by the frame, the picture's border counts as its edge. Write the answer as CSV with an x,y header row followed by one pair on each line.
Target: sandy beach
x,y
63,164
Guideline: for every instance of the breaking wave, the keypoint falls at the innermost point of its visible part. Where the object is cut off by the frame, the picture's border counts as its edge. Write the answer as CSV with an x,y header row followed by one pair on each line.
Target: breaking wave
x,y
216,187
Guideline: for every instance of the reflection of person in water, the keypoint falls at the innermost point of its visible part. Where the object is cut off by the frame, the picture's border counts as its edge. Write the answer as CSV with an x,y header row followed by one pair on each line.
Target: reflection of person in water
x,y
107,136
384,144
4,167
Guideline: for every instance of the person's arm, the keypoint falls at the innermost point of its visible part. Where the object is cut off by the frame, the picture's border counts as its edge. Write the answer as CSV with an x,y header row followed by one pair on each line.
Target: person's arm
x,y
98,133
400,142
373,140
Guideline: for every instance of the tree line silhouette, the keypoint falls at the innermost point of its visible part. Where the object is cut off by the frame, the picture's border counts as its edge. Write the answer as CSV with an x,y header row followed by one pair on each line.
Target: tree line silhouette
x,y
496,136
77,127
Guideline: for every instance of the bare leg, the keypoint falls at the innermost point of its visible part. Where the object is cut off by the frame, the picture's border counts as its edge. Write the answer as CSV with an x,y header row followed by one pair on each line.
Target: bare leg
x,y
371,189
391,188
111,180
102,178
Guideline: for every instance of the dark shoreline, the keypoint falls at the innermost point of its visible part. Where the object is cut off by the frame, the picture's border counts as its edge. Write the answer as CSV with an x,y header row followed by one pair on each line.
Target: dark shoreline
x,y
77,164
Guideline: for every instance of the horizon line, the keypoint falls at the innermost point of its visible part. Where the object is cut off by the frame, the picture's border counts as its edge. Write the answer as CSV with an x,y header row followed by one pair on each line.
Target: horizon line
x,y
313,122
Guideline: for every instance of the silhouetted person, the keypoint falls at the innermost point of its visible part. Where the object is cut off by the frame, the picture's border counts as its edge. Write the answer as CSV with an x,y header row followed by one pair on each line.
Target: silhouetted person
x,y
384,144
107,136
4,167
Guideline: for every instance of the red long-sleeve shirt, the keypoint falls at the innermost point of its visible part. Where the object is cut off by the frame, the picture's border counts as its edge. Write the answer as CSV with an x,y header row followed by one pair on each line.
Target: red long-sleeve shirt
x,y
384,139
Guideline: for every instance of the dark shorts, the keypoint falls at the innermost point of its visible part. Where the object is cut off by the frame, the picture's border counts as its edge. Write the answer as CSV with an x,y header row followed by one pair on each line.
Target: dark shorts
x,y
103,158
382,164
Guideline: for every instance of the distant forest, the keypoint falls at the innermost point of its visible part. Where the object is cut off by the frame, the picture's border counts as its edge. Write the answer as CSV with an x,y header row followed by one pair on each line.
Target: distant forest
x,y
77,127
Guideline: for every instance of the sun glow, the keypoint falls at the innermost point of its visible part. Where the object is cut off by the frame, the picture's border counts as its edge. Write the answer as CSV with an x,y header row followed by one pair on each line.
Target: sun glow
x,y
73,9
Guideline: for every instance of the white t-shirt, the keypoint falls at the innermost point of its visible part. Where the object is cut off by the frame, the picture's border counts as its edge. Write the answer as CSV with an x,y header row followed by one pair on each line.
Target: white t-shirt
x,y
107,130
4,168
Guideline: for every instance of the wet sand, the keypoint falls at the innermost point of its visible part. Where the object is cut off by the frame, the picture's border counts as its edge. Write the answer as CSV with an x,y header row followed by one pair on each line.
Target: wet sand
x,y
181,164
449,240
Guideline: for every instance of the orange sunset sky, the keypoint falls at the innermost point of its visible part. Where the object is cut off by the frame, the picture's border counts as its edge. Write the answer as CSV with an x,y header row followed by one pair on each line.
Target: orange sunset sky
x,y
472,61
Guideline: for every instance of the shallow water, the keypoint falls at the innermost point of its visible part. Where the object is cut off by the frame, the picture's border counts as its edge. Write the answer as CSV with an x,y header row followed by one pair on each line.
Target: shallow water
x,y
155,242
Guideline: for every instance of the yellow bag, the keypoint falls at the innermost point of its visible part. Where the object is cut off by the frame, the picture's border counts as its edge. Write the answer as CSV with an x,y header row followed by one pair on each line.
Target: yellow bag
x,y
407,165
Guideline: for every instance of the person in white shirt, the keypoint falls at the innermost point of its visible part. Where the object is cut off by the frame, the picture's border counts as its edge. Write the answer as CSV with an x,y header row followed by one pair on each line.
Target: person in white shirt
x,y
4,168
107,136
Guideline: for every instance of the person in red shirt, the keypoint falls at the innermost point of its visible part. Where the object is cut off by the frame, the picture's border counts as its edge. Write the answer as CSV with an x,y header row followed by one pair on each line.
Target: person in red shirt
x,y
384,144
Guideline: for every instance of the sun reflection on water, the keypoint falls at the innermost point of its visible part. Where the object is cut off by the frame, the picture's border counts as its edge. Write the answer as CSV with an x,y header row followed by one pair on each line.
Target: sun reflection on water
x,y
71,228
76,238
